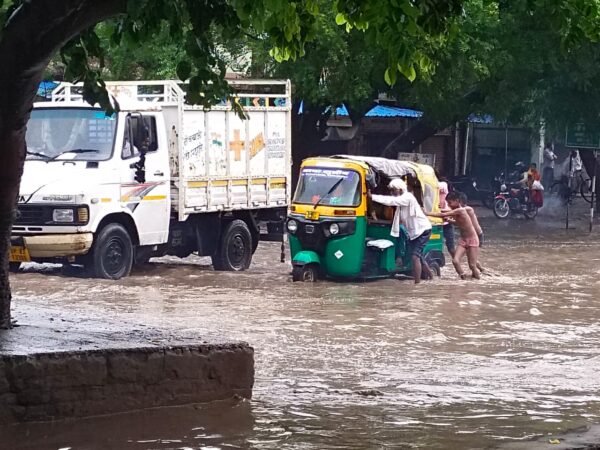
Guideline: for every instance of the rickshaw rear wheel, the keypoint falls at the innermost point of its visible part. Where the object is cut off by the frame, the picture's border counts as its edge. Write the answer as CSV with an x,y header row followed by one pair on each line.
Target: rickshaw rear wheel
x,y
305,273
435,268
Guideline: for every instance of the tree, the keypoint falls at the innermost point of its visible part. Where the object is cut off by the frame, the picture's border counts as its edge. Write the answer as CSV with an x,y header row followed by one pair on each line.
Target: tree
x,y
33,30
519,61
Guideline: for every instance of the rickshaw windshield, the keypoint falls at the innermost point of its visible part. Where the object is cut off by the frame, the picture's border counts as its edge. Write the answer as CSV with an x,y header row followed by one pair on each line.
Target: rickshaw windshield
x,y
328,187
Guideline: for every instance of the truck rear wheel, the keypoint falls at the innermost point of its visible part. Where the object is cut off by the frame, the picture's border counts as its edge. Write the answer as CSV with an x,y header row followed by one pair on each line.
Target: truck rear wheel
x,y
112,256
234,252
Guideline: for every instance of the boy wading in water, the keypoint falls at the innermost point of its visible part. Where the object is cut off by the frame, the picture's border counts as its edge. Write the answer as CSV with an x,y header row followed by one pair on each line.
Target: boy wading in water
x,y
469,242
475,222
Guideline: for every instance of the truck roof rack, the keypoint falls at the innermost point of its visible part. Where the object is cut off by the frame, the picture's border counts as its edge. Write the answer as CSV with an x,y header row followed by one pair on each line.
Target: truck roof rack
x,y
251,93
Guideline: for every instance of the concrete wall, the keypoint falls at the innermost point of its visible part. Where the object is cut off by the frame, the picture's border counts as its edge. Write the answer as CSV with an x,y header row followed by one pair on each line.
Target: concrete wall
x,y
75,384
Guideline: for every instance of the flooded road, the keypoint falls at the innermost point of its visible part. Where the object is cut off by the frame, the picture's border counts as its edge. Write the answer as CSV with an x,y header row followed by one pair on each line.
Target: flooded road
x,y
386,364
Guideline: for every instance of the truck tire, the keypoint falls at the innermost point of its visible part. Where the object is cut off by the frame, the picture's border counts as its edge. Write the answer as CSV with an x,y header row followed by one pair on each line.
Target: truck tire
x,y
113,255
234,252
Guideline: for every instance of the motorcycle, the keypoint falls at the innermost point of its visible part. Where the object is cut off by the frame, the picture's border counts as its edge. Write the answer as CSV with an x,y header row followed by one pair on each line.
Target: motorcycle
x,y
514,199
469,187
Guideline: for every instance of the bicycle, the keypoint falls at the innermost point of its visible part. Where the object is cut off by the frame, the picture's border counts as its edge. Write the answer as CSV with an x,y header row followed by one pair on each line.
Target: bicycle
x,y
567,188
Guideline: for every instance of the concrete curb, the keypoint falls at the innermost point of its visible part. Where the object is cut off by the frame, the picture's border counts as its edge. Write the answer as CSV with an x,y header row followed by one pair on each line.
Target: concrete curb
x,y
53,385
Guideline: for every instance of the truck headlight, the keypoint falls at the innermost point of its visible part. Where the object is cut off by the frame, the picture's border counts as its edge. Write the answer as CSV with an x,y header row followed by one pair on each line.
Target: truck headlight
x,y
63,215
292,226
334,229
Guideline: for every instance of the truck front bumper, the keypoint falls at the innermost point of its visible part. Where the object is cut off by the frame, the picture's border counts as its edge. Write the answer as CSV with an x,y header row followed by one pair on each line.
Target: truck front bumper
x,y
53,245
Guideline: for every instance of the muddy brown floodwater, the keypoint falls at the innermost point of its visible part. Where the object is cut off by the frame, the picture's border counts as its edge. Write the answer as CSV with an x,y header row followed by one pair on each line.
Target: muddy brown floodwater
x,y
448,364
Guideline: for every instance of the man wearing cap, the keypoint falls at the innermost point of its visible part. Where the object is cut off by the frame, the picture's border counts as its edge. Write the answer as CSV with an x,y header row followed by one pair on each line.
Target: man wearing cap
x,y
409,213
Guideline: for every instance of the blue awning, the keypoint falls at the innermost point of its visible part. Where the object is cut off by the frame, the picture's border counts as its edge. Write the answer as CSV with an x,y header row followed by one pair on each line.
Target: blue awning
x,y
45,88
340,111
393,111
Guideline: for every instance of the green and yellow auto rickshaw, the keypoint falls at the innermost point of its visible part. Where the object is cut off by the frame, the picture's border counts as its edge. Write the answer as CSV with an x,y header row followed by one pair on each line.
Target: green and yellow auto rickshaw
x,y
336,232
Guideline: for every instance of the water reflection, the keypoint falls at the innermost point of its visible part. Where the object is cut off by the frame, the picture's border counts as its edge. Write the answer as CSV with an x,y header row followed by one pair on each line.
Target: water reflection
x,y
450,364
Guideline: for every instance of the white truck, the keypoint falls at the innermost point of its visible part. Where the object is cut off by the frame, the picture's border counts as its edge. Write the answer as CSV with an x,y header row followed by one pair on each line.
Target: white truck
x,y
159,177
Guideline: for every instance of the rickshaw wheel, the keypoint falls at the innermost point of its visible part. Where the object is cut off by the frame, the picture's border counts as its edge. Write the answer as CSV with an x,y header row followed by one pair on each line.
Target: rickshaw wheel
x,y
435,268
305,273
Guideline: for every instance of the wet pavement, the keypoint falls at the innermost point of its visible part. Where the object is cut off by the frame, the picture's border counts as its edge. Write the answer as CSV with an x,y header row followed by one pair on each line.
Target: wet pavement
x,y
386,364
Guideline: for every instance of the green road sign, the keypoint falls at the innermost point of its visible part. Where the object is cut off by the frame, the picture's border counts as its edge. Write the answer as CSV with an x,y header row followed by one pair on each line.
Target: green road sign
x,y
579,137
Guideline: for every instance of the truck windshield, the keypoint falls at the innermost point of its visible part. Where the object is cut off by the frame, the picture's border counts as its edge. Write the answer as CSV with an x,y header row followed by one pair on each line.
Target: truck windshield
x,y
316,183
59,134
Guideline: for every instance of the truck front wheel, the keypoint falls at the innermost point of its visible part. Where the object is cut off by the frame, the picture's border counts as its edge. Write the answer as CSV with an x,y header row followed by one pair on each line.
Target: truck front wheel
x,y
234,252
112,256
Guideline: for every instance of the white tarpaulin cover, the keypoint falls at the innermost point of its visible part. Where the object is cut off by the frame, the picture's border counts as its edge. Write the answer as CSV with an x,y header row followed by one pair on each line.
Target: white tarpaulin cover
x,y
388,167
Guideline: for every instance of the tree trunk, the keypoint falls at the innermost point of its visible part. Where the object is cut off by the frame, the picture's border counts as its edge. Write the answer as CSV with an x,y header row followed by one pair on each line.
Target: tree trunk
x,y
12,144
34,33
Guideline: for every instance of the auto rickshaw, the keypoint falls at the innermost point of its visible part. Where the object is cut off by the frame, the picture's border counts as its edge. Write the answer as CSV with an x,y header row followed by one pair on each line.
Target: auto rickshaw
x,y
333,229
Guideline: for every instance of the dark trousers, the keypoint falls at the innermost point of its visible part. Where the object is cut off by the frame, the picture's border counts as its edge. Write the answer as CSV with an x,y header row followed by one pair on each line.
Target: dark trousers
x,y
449,237
547,177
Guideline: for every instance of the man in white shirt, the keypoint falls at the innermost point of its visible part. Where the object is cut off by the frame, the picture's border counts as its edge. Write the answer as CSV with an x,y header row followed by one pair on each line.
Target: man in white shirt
x,y
548,171
410,214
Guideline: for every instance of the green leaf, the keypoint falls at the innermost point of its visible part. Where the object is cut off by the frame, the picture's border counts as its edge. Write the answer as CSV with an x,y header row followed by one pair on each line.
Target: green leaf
x,y
409,9
184,70
340,19
390,76
408,71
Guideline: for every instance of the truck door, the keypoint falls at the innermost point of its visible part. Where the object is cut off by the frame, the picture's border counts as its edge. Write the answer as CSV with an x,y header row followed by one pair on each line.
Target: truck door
x,y
145,177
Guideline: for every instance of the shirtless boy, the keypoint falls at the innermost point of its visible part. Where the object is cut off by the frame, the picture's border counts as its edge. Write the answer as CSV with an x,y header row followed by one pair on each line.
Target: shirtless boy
x,y
469,242
475,221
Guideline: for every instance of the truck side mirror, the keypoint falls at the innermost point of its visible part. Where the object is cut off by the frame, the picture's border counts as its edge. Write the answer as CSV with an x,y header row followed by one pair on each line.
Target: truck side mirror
x,y
138,136
141,133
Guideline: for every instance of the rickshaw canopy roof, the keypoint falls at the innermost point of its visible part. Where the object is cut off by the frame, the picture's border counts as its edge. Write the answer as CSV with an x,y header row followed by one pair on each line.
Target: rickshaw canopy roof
x,y
391,168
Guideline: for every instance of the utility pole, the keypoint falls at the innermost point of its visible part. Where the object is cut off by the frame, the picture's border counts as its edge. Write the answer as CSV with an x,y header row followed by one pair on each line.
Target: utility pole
x,y
593,190
456,149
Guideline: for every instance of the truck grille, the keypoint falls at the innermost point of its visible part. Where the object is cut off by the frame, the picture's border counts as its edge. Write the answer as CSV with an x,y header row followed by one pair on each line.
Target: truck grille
x,y
33,215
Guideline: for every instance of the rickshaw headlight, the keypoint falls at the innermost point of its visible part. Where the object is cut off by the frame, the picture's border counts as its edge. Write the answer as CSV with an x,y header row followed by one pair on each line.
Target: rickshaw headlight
x,y
292,226
503,187
334,228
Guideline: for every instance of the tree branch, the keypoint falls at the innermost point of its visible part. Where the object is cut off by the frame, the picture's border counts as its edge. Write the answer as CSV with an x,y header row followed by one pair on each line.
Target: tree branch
x,y
36,30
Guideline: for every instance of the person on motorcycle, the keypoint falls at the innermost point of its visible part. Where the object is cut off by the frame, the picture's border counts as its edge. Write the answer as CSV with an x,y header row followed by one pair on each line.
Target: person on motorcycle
x,y
517,173
530,176
526,180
